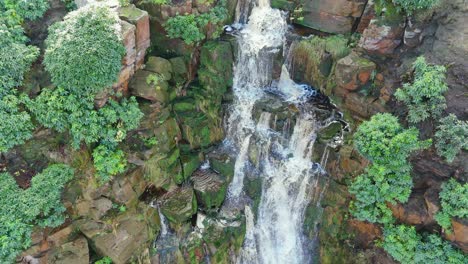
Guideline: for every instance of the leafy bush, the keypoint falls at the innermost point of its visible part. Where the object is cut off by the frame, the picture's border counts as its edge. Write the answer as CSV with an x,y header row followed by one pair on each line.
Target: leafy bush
x,y
84,51
454,203
108,162
15,60
384,141
425,96
21,210
410,6
451,137
191,27
15,125
405,245
387,145
104,260
26,9
63,110
374,189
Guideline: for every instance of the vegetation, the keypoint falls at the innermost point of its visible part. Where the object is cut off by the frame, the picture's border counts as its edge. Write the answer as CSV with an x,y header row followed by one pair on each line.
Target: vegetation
x,y
108,162
387,145
25,9
424,97
21,210
395,8
191,27
104,260
63,110
84,51
16,126
15,60
454,203
451,137
405,245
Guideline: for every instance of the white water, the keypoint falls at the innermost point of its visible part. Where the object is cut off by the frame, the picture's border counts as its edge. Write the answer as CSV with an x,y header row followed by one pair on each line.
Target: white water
x,y
275,235
258,43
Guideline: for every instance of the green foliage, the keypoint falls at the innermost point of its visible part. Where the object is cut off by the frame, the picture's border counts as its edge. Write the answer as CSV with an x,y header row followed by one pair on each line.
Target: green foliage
x,y
454,203
84,51
387,145
25,9
191,27
70,4
374,189
108,162
384,141
405,245
15,125
104,260
21,210
451,137
159,2
62,110
411,6
15,60
424,97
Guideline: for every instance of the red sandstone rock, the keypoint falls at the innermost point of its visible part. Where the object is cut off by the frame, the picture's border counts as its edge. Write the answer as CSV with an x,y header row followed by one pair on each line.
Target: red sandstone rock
x,y
353,71
381,39
459,234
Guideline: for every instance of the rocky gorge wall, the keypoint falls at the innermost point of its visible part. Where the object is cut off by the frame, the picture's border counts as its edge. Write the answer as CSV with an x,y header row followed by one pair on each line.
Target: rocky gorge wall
x,y
183,91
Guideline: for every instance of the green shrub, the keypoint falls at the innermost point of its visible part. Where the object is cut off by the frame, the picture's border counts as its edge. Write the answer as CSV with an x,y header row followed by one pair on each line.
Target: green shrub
x,y
15,125
26,9
108,162
84,51
454,203
374,189
15,60
424,97
104,260
62,110
21,210
384,141
387,145
405,245
451,137
411,6
191,27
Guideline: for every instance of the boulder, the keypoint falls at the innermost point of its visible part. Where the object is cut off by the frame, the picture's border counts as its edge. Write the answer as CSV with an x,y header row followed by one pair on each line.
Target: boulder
x,y
156,89
179,205
199,130
210,188
140,19
161,66
190,163
179,67
336,16
74,252
353,71
459,234
94,209
164,168
381,39
414,212
367,16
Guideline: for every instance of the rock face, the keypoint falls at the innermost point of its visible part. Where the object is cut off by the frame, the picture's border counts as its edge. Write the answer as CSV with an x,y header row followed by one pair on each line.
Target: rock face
x,y
210,189
336,16
381,39
460,233
353,72
179,205
74,252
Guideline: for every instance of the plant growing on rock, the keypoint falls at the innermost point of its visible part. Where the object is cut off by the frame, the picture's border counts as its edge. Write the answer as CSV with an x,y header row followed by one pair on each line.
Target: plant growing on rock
x,y
108,162
21,210
454,203
62,110
424,97
387,145
84,51
405,245
15,60
16,126
451,137
26,9
190,28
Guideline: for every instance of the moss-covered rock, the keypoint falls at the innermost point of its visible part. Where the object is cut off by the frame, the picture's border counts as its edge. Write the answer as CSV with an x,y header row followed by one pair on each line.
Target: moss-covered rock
x,y
160,66
190,163
179,205
162,169
148,85
210,189
199,130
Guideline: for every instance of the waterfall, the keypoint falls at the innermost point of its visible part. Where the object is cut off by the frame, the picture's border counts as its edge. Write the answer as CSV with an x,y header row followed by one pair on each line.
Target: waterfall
x,y
289,177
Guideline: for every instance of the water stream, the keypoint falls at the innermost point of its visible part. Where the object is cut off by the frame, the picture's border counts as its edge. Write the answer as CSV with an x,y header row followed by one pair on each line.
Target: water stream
x,y
275,234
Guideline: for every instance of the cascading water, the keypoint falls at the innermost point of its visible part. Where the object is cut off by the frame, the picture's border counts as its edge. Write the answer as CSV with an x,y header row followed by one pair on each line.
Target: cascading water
x,y
288,174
